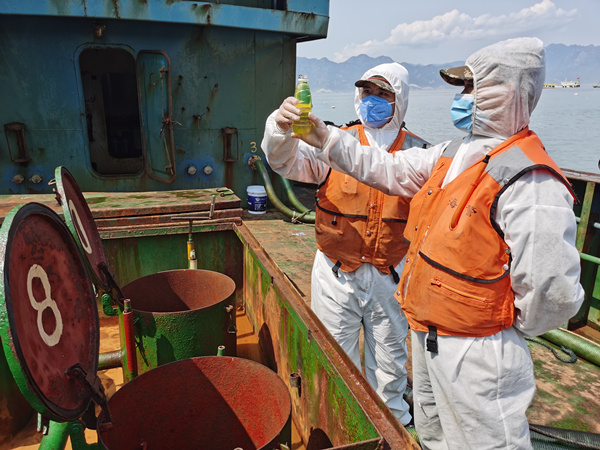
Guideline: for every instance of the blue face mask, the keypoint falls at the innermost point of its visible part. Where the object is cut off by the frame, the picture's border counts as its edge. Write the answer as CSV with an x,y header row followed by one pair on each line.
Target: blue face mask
x,y
375,111
462,112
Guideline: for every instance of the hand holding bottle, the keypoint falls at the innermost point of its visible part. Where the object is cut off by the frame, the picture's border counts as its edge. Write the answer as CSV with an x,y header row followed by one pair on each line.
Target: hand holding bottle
x,y
296,113
287,114
318,134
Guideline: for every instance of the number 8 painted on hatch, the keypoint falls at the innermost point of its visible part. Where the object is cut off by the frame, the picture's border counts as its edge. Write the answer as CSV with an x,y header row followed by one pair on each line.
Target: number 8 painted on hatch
x,y
37,271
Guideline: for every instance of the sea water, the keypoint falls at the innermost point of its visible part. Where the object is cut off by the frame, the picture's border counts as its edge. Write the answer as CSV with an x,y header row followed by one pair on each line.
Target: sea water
x,y
567,120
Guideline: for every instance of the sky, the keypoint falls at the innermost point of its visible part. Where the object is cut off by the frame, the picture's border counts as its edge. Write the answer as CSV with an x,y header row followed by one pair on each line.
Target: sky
x,y
439,31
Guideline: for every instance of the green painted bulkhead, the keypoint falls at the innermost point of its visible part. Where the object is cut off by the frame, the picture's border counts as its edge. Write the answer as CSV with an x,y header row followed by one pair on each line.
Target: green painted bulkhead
x,y
144,95
332,405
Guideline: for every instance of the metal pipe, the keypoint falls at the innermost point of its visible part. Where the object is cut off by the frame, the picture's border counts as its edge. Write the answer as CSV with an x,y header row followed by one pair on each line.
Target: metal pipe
x,y
193,263
191,249
129,331
231,328
595,224
110,360
305,217
212,206
58,434
582,347
589,258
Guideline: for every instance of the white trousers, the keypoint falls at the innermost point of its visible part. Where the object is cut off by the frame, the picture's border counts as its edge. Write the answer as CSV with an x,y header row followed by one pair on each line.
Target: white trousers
x,y
365,298
474,393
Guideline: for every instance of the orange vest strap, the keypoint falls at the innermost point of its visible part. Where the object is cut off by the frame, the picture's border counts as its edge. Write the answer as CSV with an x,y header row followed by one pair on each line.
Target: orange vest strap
x,y
432,345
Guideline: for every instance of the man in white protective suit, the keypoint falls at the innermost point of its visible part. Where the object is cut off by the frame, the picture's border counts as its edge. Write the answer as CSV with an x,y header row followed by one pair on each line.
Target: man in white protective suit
x,y
359,231
492,254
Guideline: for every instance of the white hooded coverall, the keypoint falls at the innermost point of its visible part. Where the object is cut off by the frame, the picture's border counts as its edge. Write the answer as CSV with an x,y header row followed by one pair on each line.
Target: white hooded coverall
x,y
474,393
363,297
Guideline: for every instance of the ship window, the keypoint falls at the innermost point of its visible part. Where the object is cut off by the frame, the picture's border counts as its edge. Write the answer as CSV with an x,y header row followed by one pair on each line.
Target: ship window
x,y
110,92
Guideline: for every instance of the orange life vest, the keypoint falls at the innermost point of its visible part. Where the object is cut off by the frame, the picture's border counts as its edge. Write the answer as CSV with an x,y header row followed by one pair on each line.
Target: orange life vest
x,y
356,224
458,264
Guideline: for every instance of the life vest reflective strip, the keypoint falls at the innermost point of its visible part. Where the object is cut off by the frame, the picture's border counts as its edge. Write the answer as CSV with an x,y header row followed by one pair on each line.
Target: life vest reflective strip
x,y
356,224
458,278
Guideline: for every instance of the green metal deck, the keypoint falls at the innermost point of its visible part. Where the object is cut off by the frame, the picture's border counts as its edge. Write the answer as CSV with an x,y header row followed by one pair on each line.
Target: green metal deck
x,y
270,260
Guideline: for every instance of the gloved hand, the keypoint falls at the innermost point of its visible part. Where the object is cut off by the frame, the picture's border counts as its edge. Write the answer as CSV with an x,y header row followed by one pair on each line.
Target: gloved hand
x,y
287,114
319,133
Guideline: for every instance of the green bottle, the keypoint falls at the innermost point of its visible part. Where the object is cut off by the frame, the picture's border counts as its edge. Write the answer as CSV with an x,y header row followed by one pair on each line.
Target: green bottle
x,y
302,93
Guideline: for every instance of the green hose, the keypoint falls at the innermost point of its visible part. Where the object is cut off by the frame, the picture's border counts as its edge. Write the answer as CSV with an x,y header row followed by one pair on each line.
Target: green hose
x,y
548,438
305,216
582,347
289,189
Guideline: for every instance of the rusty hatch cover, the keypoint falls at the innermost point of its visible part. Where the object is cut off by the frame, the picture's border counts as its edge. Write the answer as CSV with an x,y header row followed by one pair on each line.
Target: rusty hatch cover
x,y
80,221
48,315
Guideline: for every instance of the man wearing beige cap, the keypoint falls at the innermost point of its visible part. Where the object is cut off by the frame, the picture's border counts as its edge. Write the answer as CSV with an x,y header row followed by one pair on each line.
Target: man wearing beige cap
x,y
491,256
359,231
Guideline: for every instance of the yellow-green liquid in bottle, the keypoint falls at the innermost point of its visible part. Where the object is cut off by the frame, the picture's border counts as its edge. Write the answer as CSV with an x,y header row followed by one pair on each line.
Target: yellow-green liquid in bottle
x,y
302,93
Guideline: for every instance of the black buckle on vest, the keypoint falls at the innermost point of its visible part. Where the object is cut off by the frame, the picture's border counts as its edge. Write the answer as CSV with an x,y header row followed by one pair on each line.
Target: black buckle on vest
x,y
395,275
335,269
432,340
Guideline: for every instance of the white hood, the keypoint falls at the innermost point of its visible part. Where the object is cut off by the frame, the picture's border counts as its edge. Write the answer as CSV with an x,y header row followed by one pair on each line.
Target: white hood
x,y
508,78
397,76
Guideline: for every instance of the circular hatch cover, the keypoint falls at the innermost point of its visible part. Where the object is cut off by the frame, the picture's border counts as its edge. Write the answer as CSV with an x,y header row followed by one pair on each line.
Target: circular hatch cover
x,y
48,312
80,221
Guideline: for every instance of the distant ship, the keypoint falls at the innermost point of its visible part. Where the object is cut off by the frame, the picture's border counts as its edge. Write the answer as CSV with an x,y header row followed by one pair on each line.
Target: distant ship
x,y
597,85
549,86
570,84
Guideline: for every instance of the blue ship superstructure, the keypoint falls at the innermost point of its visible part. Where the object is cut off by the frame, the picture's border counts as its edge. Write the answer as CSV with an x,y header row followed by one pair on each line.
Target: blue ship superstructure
x,y
144,95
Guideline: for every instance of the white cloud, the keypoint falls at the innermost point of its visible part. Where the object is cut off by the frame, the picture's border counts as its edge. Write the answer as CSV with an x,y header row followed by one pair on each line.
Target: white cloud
x,y
460,27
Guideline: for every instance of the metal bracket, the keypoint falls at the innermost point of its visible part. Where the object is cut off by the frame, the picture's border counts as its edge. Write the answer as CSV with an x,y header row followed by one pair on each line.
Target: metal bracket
x,y
251,161
93,385
225,191
110,278
15,133
231,328
228,134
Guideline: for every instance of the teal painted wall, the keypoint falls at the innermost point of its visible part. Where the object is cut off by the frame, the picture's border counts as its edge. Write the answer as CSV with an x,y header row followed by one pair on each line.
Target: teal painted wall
x,y
220,76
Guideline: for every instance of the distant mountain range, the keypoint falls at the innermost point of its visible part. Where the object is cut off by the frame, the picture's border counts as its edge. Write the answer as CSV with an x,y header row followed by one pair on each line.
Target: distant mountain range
x,y
562,63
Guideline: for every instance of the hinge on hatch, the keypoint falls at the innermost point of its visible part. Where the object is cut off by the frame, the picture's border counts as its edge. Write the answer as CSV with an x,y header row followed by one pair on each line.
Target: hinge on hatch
x,y
93,385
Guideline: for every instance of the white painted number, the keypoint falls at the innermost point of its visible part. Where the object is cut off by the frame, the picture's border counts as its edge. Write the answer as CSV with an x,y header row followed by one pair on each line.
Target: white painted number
x,y
38,272
85,242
